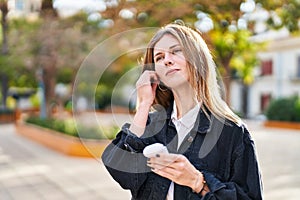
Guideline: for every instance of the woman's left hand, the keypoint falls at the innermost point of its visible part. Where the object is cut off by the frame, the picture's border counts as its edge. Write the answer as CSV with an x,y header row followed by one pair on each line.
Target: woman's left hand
x,y
175,167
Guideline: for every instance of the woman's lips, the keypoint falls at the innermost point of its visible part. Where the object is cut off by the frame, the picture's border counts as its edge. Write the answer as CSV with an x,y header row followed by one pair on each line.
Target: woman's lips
x,y
171,71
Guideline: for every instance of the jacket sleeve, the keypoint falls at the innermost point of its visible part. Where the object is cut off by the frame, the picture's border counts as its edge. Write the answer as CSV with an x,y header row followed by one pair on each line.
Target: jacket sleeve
x,y
125,162
245,180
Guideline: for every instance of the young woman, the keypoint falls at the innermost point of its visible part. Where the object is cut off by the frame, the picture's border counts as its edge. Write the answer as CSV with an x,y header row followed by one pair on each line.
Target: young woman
x,y
211,153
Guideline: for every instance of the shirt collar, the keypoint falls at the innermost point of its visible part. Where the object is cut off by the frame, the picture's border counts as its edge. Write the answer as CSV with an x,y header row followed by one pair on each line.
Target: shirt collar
x,y
189,118
203,121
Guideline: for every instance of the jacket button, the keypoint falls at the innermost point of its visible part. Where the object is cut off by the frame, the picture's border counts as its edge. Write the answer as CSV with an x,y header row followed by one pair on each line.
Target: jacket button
x,y
190,139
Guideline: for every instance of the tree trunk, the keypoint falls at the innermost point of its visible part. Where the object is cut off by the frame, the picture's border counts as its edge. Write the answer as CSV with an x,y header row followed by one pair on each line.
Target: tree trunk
x,y
227,81
49,77
48,53
245,94
4,11
4,50
47,10
226,77
4,88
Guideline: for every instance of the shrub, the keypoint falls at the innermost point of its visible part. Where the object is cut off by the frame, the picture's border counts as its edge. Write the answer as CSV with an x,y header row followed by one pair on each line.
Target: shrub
x,y
6,111
69,127
297,111
284,109
110,132
103,97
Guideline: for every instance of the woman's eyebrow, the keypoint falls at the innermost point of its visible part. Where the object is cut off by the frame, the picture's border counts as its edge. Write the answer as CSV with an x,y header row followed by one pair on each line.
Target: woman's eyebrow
x,y
158,53
171,47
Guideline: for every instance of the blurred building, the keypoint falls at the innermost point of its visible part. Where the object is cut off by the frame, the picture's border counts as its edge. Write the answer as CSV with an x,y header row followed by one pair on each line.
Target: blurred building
x,y
277,76
24,8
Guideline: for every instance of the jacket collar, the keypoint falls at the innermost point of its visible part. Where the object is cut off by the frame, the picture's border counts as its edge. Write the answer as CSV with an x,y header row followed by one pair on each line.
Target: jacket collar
x,y
202,124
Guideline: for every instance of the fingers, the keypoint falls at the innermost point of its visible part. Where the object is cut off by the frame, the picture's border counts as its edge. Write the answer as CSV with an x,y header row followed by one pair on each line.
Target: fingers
x,y
168,157
167,172
175,167
147,78
146,87
166,160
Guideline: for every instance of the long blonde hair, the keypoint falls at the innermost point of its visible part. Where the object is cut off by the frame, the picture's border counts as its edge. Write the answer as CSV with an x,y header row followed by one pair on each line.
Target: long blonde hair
x,y
201,69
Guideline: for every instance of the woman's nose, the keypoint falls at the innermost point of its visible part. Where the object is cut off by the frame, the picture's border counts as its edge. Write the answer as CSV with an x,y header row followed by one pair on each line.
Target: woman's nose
x,y
168,60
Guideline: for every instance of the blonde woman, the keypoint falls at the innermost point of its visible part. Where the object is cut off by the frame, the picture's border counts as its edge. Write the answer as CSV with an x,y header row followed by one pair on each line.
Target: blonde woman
x,y
211,153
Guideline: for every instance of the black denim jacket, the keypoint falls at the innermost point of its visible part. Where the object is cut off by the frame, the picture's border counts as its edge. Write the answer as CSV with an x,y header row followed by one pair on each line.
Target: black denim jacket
x,y
221,150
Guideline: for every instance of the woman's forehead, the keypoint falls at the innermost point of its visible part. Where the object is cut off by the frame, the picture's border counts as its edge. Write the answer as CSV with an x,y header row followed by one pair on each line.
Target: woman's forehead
x,y
165,43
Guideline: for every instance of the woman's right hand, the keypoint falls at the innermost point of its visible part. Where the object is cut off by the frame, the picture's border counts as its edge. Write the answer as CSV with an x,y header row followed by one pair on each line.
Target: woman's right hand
x,y
146,87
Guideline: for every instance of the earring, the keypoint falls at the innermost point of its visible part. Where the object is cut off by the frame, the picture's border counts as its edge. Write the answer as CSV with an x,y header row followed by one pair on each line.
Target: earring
x,y
161,89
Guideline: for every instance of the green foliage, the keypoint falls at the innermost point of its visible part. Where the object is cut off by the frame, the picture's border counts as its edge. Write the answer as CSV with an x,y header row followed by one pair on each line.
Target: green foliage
x,y
236,50
69,127
290,15
11,103
287,10
35,100
22,91
71,39
284,109
68,105
103,96
110,132
297,110
64,75
17,65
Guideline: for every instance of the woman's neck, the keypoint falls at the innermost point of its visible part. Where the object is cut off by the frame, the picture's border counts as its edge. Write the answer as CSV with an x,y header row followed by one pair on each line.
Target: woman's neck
x,y
185,100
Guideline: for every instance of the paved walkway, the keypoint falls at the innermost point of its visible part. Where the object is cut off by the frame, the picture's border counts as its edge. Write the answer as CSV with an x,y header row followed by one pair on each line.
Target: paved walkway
x,y
29,171
279,156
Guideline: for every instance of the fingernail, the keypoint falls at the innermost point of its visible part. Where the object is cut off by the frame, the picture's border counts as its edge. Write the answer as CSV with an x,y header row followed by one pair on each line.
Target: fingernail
x,y
152,169
157,155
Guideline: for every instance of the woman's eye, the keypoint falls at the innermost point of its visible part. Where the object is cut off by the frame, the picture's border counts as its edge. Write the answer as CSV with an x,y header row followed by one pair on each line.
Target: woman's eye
x,y
176,51
158,58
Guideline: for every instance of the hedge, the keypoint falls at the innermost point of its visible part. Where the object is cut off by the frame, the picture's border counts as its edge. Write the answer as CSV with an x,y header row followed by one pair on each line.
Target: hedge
x,y
70,128
284,109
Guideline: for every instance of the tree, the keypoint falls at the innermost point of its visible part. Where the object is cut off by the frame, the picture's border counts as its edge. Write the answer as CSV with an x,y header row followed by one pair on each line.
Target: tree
x,y
243,65
287,10
47,54
235,55
226,41
227,44
61,43
16,58
4,50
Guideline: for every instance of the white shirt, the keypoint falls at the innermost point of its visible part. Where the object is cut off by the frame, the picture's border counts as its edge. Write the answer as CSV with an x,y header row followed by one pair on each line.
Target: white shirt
x,y
183,126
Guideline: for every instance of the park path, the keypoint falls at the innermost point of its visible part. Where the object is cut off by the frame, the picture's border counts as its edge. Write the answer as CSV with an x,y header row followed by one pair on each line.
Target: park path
x,y
29,171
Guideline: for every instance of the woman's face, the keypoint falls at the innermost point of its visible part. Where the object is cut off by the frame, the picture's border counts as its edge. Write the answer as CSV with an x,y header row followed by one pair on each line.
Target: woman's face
x,y
170,63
